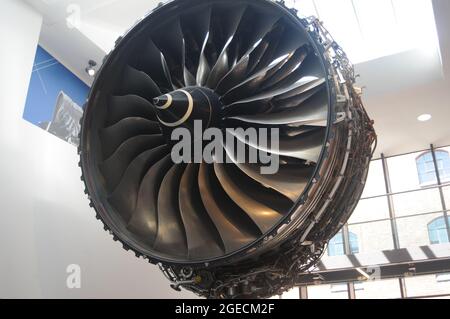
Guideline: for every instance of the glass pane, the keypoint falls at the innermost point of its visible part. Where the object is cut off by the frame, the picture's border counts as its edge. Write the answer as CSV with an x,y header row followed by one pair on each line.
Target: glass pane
x,y
411,171
336,245
443,161
370,210
426,286
375,184
407,14
447,196
291,294
305,8
378,289
380,38
328,292
437,298
374,236
437,231
424,201
341,21
413,231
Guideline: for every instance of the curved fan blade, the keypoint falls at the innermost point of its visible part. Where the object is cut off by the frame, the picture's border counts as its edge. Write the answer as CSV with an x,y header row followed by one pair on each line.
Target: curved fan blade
x,y
152,62
195,27
172,52
220,68
234,233
313,112
248,61
188,78
311,67
166,72
197,24
121,107
300,86
293,62
306,146
289,181
255,24
203,237
113,136
144,221
297,100
114,167
265,217
264,53
203,65
230,19
252,83
171,232
233,76
124,197
138,83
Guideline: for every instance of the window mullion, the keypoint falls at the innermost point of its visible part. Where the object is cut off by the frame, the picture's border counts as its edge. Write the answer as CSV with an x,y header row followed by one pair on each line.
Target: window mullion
x,y
387,182
441,191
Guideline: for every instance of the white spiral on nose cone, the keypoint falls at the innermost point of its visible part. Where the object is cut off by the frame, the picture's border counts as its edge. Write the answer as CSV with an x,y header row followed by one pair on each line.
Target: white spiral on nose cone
x,y
185,117
168,103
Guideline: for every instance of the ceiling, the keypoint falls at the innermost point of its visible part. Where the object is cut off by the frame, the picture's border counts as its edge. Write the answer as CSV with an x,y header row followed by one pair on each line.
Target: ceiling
x,y
357,27
397,87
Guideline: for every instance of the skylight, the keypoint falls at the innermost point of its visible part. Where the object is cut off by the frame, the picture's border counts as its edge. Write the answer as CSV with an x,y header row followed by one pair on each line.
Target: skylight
x,y
370,29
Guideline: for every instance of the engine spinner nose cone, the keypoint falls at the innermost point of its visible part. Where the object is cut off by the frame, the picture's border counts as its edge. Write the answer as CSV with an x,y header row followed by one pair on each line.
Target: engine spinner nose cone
x,y
174,109
163,102
181,108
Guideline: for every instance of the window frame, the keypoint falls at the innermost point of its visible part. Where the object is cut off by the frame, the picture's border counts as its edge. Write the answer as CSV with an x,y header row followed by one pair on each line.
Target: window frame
x,y
353,241
422,167
437,230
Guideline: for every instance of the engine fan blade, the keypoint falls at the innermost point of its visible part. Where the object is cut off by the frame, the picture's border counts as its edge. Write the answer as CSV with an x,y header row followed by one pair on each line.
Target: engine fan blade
x,y
144,221
289,181
113,136
172,53
234,232
313,112
300,86
114,167
203,237
230,19
252,83
121,107
263,216
307,147
171,236
124,197
138,83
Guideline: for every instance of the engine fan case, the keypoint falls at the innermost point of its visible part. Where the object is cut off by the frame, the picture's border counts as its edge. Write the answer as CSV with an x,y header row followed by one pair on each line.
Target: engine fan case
x,y
169,214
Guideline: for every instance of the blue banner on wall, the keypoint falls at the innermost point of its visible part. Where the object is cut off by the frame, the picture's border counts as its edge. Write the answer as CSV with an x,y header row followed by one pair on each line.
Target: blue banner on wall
x,y
55,98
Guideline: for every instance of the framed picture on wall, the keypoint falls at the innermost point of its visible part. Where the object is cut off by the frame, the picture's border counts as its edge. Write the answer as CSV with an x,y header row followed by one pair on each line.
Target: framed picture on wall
x,y
55,98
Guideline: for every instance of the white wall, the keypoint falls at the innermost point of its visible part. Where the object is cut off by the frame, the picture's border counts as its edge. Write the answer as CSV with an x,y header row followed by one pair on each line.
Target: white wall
x,y
45,221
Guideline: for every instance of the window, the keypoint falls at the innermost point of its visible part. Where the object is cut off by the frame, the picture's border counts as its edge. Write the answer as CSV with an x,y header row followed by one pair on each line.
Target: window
x,y
404,171
339,288
354,247
443,164
426,169
437,231
443,278
355,24
336,245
